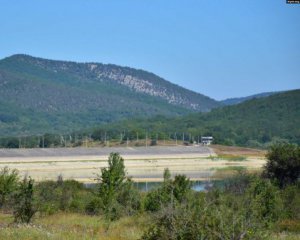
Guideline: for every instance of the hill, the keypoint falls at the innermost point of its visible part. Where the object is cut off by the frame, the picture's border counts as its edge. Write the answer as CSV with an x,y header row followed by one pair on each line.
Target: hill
x,y
39,95
255,123
233,101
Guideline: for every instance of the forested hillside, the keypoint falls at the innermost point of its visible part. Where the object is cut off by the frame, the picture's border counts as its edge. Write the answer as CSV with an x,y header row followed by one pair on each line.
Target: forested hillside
x,y
39,95
255,123
233,101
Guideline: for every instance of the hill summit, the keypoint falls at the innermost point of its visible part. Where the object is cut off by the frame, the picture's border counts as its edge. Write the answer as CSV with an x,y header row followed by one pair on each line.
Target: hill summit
x,y
38,94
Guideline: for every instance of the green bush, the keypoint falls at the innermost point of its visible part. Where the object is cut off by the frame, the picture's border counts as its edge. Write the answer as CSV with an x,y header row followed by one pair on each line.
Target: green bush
x,y
68,195
24,203
283,164
248,209
170,192
263,201
291,202
8,184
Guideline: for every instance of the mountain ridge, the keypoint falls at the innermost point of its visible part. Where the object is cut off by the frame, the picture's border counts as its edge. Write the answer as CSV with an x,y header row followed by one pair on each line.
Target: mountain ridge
x,y
54,93
136,79
237,100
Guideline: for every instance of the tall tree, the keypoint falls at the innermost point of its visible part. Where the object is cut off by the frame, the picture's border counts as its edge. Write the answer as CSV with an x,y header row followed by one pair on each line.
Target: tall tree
x,y
111,181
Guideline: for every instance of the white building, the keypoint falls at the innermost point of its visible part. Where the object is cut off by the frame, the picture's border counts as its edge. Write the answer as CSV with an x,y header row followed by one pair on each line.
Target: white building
x,y
207,140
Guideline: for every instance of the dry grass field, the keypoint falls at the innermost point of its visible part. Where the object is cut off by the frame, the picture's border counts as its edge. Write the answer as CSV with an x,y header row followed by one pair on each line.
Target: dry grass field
x,y
69,226
238,151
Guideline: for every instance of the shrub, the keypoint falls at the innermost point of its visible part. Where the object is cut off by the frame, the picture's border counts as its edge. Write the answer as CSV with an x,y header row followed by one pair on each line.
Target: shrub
x,y
170,192
238,183
24,208
68,195
129,198
291,202
283,164
263,201
221,216
8,184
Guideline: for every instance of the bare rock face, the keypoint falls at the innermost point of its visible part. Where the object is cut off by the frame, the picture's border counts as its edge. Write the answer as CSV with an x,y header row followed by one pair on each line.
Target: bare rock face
x,y
147,87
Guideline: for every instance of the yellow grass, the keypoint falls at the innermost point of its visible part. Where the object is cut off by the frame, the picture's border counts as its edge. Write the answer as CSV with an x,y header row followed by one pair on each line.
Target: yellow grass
x,y
73,226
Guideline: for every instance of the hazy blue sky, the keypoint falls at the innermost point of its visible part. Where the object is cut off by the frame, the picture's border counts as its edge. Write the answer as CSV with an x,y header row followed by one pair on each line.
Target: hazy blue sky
x,y
220,48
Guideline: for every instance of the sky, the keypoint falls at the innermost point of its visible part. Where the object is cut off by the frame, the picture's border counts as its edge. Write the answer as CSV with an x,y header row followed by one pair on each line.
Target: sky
x,y
219,48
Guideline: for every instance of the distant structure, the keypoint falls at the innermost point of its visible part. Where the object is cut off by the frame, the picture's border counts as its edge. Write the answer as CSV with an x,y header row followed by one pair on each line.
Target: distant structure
x,y
207,140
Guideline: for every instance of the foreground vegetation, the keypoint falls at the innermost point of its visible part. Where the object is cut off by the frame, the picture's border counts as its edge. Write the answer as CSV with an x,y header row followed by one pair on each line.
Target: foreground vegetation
x,y
68,225
248,206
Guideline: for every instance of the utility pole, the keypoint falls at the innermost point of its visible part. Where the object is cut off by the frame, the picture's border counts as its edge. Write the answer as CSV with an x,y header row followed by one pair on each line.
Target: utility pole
x,y
127,142
183,138
146,139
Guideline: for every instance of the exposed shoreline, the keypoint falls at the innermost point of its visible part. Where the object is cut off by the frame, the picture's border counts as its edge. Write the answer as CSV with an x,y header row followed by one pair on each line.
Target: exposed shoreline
x,y
143,164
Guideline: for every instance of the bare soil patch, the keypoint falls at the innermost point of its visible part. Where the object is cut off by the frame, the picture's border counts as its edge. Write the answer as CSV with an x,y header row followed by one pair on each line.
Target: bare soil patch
x,y
238,151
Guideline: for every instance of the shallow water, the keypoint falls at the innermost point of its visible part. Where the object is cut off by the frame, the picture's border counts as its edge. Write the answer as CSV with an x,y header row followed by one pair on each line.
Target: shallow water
x,y
196,185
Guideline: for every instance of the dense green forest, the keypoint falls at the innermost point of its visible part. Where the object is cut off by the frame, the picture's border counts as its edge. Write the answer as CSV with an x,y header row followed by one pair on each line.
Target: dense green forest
x,y
247,206
39,95
254,123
